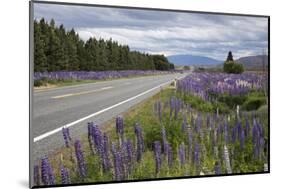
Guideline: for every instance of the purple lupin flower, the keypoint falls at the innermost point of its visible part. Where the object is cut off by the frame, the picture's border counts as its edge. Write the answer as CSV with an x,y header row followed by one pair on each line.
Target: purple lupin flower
x,y
233,135
65,179
196,154
157,153
255,132
140,142
105,156
120,127
256,138
239,129
117,159
47,175
261,131
247,133
97,138
127,157
80,159
66,136
172,106
217,168
182,154
199,123
36,175
130,150
51,175
44,170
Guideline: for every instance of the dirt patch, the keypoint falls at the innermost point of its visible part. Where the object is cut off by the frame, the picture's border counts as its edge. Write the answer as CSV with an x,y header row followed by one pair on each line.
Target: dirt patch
x,y
47,86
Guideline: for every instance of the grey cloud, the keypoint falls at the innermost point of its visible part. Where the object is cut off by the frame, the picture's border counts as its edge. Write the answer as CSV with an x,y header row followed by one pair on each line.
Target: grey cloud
x,y
164,32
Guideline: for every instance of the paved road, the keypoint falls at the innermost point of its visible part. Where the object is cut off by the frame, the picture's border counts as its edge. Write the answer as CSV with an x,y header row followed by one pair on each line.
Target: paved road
x,y
74,106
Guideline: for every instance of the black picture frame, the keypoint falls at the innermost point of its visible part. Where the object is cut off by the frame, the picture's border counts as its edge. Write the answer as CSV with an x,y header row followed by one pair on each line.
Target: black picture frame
x,y
31,62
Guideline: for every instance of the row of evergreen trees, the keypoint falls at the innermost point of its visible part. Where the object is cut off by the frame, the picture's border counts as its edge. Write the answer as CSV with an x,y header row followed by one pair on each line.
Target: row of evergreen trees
x,y
57,49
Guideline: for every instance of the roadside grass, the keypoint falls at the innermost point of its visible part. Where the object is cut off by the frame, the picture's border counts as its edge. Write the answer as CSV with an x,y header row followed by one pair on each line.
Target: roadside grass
x,y
144,115
141,114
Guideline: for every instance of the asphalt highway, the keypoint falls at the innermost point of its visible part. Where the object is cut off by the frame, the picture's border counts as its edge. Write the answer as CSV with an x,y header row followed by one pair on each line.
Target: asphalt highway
x,y
74,106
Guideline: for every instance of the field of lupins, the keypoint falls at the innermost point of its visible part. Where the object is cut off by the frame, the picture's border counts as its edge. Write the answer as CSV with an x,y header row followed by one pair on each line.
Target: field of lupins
x,y
94,75
169,137
207,85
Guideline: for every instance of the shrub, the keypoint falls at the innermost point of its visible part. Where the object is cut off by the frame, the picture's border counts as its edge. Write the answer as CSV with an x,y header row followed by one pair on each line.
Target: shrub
x,y
40,82
222,107
253,103
232,101
186,67
37,83
233,67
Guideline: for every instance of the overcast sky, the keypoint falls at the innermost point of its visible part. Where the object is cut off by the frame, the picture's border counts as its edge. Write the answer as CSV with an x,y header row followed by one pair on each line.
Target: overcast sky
x,y
168,33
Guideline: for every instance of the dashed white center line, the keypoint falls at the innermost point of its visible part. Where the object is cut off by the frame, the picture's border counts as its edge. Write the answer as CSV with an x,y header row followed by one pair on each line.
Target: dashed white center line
x,y
81,93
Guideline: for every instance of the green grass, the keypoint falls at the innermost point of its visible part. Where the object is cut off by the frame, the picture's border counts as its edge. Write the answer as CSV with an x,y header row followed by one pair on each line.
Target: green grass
x,y
144,115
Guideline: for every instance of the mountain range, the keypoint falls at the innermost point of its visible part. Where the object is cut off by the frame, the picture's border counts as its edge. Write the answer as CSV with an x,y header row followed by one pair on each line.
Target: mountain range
x,y
249,62
188,60
256,62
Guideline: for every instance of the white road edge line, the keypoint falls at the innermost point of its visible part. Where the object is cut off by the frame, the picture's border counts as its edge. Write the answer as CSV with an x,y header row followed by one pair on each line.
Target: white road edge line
x,y
36,139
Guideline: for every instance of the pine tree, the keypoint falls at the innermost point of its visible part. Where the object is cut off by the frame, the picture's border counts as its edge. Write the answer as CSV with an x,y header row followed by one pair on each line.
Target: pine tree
x,y
40,60
55,54
229,57
71,46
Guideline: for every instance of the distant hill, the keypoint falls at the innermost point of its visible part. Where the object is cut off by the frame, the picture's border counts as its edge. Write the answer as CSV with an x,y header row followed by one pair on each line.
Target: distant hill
x,y
188,60
254,62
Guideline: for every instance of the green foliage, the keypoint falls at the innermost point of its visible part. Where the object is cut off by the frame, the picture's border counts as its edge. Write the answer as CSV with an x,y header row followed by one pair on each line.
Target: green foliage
x,y
233,67
39,54
232,101
162,63
263,109
56,49
38,83
186,67
253,103
42,82
241,160
201,69
204,106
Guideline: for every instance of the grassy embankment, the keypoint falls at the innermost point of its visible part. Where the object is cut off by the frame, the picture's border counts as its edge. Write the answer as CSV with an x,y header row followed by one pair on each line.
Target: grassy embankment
x,y
144,115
